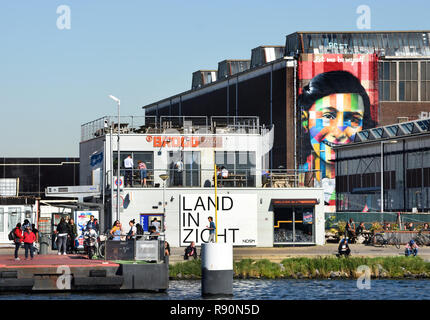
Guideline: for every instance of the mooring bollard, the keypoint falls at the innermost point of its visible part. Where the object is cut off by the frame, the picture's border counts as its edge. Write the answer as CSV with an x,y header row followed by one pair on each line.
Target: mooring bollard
x,y
217,269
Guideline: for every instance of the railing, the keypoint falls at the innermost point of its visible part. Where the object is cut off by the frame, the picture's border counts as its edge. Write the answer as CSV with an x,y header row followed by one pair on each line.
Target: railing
x,y
238,178
170,124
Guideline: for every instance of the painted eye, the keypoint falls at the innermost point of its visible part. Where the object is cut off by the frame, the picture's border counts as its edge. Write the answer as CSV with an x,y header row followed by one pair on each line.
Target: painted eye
x,y
329,115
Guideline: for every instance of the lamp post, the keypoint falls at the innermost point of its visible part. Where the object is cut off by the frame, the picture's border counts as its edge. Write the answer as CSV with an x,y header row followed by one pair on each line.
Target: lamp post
x,y
382,171
118,158
164,177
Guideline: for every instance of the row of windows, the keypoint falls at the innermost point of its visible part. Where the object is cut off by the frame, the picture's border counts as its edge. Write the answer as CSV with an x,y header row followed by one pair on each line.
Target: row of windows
x,y
355,182
404,81
417,178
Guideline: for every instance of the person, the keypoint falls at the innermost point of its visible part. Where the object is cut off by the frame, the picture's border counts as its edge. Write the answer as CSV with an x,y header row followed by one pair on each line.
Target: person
x,y
131,235
91,223
166,248
359,233
224,173
426,227
128,165
19,238
62,234
90,237
411,248
411,227
143,172
73,233
350,229
36,233
96,224
343,248
156,224
25,224
190,251
334,106
116,231
153,234
212,229
360,229
29,238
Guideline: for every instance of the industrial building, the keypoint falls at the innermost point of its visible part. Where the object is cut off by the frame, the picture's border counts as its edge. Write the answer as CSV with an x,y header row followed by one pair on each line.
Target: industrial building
x,y
404,151
385,73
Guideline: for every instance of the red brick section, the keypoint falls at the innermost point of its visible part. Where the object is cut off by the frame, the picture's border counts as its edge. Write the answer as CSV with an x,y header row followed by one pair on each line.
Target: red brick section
x,y
47,261
390,111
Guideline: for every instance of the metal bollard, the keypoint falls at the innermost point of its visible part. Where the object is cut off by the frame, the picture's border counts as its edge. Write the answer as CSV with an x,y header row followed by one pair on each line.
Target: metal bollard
x,y
44,243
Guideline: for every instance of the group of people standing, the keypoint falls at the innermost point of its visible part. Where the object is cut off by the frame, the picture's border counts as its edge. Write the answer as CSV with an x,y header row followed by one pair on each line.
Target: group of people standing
x,y
27,234
67,233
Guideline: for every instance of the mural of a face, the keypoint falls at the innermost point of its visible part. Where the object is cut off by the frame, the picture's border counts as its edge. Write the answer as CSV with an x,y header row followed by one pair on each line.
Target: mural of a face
x,y
332,120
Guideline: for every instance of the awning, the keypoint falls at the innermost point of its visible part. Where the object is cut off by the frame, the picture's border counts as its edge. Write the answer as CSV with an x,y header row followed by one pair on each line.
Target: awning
x,y
293,202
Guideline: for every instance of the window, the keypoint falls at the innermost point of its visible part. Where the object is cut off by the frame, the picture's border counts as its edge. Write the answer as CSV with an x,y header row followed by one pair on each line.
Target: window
x,y
184,168
240,166
425,80
147,157
14,217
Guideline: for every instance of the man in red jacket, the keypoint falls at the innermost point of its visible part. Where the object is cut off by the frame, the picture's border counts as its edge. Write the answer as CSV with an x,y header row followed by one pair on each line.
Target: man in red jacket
x,y
18,239
29,238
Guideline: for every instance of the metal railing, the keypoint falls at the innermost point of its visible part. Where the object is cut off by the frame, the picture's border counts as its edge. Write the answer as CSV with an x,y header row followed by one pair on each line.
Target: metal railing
x,y
240,178
171,124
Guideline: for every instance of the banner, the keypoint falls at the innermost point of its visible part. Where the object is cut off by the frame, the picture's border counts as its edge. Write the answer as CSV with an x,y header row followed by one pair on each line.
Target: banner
x,y
82,217
236,219
337,97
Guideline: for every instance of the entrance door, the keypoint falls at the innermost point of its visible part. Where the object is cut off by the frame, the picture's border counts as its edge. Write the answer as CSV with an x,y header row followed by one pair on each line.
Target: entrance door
x,y
294,225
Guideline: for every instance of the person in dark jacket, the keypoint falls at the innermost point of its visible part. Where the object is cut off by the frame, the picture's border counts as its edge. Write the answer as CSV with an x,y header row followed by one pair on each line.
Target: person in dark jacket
x,y
343,248
62,234
191,251
18,239
73,233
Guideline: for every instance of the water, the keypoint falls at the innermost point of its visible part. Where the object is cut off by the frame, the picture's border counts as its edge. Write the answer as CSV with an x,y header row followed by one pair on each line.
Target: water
x,y
265,290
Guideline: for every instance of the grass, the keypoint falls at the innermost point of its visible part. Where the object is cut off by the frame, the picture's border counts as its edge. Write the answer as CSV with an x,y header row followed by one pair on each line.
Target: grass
x,y
321,267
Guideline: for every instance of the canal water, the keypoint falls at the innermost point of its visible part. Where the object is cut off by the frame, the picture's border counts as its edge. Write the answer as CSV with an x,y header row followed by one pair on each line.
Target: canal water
x,y
265,290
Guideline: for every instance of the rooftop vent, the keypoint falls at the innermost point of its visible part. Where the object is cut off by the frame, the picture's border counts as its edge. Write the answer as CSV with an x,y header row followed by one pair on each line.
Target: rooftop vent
x,y
228,68
264,54
203,77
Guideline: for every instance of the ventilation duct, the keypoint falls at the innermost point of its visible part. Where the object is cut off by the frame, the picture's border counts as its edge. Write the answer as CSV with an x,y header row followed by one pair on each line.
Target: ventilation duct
x,y
203,77
228,68
265,54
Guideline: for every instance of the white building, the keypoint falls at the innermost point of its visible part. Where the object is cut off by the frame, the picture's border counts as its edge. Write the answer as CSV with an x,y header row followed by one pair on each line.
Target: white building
x,y
257,206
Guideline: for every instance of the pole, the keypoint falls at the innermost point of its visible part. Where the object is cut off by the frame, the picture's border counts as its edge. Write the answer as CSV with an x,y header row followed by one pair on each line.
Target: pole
x,y
111,173
164,199
119,163
216,202
382,176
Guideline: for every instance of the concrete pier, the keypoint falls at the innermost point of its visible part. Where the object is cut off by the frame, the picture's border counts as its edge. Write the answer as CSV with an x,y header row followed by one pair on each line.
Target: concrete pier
x,y
77,273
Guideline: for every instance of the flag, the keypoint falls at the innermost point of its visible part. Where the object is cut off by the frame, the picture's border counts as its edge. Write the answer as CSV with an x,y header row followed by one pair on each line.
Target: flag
x,y
366,209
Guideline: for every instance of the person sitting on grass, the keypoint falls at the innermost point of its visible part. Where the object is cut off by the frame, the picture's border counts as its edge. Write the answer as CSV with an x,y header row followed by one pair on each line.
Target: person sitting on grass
x,y
411,248
343,248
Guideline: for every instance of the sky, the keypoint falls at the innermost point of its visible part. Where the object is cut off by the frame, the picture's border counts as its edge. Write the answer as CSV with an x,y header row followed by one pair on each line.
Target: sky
x,y
54,79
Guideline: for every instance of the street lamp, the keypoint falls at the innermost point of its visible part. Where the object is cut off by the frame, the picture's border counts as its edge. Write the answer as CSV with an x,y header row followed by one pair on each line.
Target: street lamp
x,y
382,171
118,158
164,177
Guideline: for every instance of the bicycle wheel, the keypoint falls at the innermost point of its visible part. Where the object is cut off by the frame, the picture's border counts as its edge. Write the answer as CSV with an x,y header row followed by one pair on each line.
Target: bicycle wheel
x,y
101,251
395,241
379,240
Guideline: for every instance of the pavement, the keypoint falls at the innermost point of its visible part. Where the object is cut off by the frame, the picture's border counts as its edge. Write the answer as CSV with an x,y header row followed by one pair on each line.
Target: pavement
x,y
276,254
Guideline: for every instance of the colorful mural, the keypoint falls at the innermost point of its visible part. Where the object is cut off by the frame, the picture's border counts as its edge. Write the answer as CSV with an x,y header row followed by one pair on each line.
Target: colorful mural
x,y
338,97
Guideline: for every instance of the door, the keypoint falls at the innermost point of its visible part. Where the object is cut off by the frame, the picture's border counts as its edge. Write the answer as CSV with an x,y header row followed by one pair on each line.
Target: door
x,y
294,225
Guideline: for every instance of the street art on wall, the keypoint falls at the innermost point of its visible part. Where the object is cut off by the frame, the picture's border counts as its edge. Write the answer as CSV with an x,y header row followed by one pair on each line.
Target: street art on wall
x,y
337,98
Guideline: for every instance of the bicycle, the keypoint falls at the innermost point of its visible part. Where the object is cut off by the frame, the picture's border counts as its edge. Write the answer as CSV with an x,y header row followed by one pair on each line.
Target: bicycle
x,y
422,239
380,241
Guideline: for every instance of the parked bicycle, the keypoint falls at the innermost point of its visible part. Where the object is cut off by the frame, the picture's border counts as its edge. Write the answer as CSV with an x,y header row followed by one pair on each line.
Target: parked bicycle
x,y
422,239
378,240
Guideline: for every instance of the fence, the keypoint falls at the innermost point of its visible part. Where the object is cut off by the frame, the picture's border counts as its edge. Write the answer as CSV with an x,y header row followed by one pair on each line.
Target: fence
x,y
332,218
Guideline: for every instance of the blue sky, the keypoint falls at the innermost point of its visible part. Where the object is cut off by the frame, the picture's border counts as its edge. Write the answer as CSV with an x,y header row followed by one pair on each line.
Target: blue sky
x,y
52,80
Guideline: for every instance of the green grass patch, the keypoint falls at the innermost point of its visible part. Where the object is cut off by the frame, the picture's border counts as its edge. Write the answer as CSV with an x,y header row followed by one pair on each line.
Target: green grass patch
x,y
320,267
